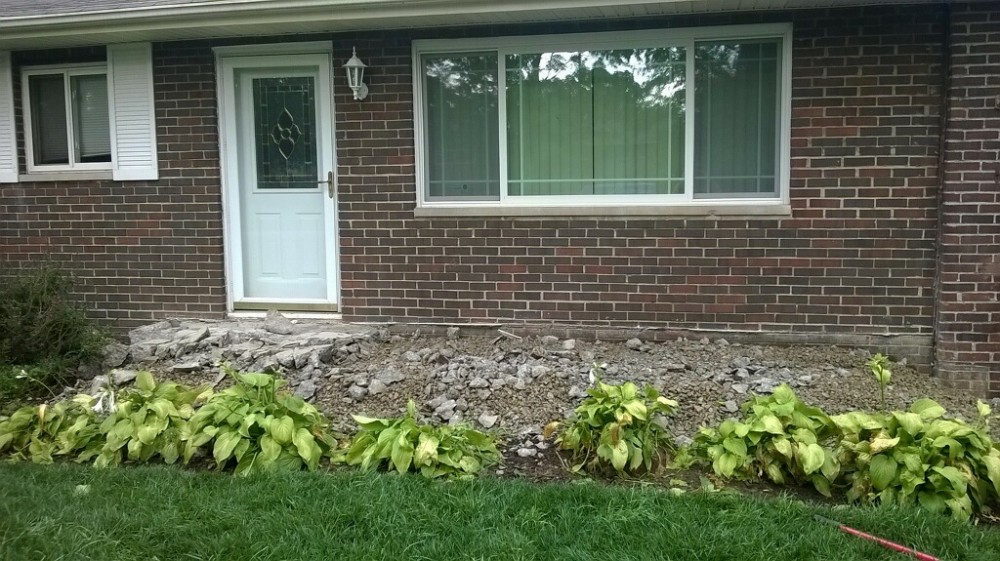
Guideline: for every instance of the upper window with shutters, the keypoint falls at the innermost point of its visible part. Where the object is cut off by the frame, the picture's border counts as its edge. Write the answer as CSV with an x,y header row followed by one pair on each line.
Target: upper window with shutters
x,y
641,119
66,120
86,121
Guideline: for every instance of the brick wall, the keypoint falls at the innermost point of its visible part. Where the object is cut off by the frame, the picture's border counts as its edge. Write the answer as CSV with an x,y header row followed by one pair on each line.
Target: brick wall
x,y
854,264
142,250
855,260
968,330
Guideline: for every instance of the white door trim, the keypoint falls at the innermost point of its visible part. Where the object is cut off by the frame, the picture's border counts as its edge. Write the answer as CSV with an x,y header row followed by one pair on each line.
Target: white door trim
x,y
228,59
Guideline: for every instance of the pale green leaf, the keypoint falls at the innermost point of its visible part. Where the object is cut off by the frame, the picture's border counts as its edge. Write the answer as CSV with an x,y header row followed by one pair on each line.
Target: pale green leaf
x,y
811,456
882,471
928,409
282,430
144,381
225,442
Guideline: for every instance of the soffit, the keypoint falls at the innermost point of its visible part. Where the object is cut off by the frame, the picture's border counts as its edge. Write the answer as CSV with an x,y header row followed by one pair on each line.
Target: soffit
x,y
35,24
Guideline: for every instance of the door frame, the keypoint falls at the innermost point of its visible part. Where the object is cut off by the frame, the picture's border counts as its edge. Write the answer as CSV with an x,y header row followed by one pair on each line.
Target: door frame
x,y
227,60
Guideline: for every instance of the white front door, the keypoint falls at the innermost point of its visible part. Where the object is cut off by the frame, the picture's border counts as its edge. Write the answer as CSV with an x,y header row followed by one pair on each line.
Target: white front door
x,y
279,161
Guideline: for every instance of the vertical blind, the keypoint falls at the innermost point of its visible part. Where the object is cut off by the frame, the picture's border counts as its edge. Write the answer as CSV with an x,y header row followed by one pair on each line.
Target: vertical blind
x,y
91,126
462,126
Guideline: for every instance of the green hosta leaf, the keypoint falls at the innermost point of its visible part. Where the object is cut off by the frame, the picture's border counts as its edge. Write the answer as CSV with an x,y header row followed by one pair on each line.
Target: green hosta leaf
x,y
912,423
402,453
370,423
270,450
928,409
307,448
992,463
636,408
282,430
619,455
958,481
735,446
882,471
811,456
932,501
225,442
144,381
822,484
147,434
772,424
783,394
469,464
726,464
983,409
883,444
783,446
426,451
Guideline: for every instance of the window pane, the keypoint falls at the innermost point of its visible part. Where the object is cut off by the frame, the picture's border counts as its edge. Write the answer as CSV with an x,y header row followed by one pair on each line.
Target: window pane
x,y
736,110
596,122
48,119
91,127
284,132
463,156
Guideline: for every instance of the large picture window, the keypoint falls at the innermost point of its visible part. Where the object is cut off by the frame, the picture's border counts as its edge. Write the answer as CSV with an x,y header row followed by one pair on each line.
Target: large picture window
x,y
665,117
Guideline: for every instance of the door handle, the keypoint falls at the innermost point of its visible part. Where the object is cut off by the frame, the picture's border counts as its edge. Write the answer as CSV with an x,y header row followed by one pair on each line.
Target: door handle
x,y
331,190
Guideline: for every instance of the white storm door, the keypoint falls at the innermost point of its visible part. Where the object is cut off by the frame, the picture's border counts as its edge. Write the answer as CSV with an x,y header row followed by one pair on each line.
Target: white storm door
x,y
280,136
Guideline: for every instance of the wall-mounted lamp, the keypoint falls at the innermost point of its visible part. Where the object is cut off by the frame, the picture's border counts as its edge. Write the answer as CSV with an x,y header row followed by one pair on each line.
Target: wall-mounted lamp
x,y
355,76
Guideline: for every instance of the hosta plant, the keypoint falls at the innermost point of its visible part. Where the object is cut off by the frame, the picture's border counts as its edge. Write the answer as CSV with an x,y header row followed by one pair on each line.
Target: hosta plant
x,y
147,421
255,425
779,438
40,433
879,365
617,426
404,444
920,457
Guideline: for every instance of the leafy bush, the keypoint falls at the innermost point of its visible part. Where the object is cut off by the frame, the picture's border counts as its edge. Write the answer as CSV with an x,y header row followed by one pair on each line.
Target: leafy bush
x,y
258,426
780,438
39,319
39,433
617,426
405,445
920,457
147,421
917,457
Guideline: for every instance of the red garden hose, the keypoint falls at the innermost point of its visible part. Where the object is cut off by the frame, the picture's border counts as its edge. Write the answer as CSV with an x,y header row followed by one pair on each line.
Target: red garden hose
x,y
882,542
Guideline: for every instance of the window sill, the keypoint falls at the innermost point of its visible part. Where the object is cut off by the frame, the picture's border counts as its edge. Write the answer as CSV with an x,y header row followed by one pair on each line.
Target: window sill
x,y
775,210
95,175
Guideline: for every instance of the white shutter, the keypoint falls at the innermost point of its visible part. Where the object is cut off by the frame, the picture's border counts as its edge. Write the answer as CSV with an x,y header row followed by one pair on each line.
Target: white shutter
x,y
8,139
133,119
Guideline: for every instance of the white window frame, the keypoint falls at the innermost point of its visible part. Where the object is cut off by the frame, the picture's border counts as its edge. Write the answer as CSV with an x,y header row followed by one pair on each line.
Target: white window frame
x,y
657,38
68,71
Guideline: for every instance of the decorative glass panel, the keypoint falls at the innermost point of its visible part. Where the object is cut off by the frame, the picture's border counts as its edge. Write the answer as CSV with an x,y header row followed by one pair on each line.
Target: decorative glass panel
x,y
737,100
462,126
596,122
285,133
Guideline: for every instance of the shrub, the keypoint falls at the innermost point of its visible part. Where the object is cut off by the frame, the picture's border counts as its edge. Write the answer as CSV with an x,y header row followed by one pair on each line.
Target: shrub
x,y
779,438
617,426
147,421
402,444
916,457
920,457
40,433
256,426
40,320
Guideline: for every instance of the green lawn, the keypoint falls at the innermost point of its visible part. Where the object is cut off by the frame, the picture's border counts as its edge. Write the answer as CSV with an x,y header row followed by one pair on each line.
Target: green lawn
x,y
169,514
